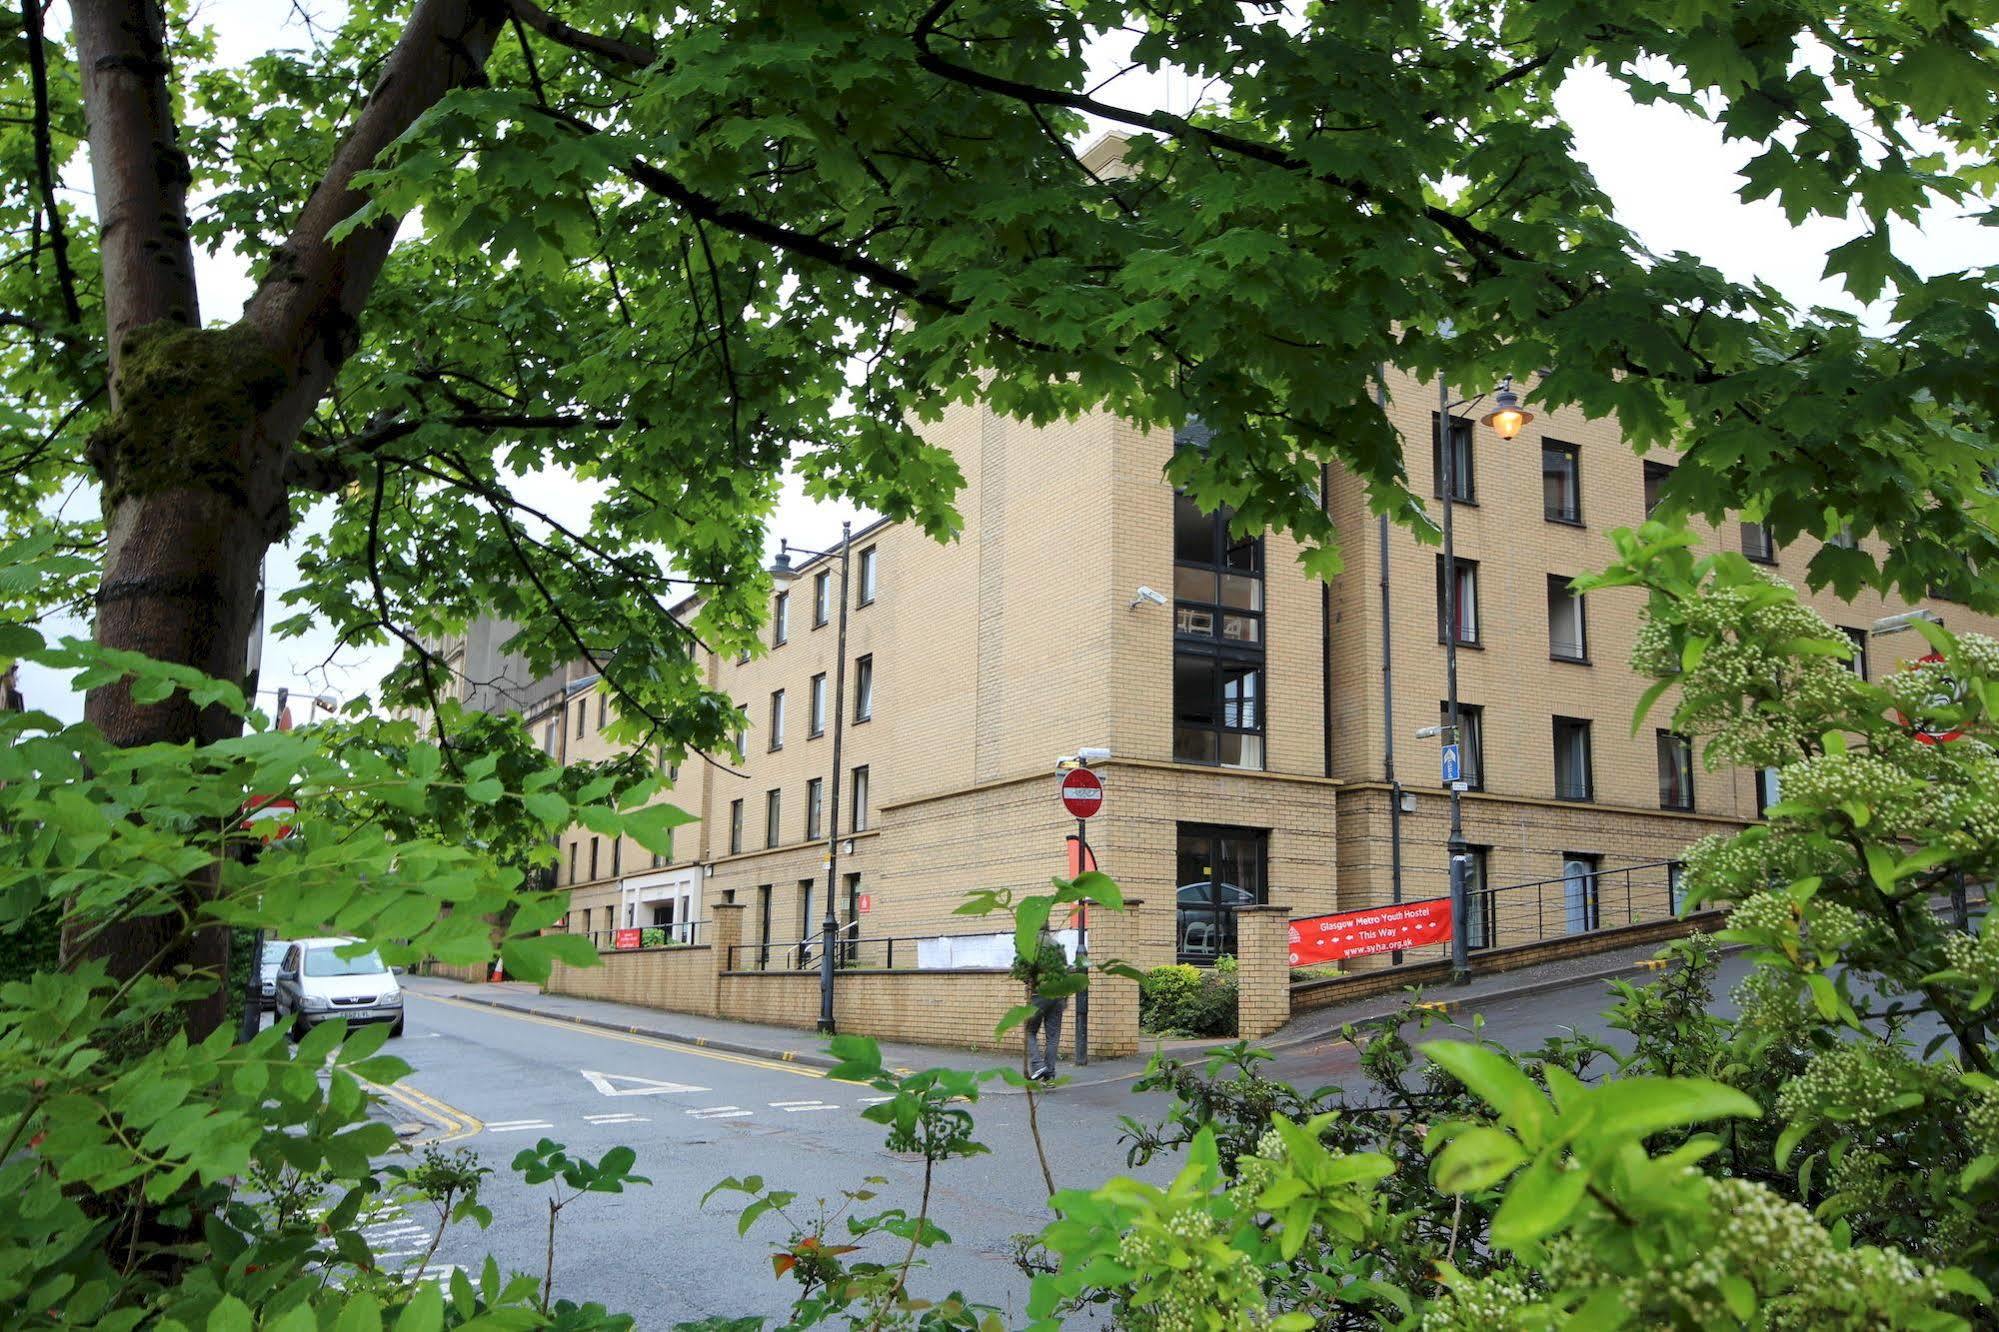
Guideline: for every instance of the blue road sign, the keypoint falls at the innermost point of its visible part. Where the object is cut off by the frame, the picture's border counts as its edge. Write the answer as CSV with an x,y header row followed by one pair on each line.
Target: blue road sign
x,y
1453,766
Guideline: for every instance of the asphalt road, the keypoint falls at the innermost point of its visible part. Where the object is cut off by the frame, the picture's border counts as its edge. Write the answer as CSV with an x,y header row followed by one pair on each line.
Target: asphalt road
x,y
502,1080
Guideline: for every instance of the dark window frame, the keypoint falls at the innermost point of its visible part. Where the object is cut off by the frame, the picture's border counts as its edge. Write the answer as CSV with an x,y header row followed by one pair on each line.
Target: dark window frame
x,y
1574,454
582,717
1482,915
1223,936
857,789
774,817
776,720
780,619
865,589
1592,902
1858,663
736,827
1559,584
815,707
1763,548
1581,726
1471,755
1657,476
1681,744
815,809
864,687
1464,480
822,598
1468,571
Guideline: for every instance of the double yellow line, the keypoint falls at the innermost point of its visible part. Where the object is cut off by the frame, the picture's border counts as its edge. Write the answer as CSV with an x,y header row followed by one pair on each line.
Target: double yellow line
x,y
453,1122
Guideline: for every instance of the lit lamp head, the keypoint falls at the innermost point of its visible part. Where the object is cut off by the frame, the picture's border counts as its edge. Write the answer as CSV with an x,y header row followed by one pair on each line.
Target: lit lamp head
x,y
1506,416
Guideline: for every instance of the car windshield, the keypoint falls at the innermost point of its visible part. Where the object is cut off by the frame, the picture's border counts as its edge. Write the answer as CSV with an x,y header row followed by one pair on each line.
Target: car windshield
x,y
274,952
328,962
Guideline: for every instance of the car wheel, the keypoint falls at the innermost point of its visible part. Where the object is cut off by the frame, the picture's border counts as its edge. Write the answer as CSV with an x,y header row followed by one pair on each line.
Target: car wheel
x,y
299,1027
397,1029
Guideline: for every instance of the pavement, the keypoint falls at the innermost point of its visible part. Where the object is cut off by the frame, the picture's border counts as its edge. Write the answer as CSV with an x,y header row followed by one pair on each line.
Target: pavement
x,y
497,1067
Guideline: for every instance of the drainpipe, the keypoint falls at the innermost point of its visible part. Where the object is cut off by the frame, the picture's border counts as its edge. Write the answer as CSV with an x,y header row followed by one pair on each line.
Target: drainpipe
x,y
1388,683
1326,627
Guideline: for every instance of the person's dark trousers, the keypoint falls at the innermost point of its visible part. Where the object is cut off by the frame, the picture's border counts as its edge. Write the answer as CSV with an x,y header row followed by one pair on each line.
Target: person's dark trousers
x,y
1046,1024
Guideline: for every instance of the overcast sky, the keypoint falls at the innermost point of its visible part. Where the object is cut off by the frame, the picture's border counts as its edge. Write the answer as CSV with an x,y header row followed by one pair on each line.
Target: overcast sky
x,y
1671,177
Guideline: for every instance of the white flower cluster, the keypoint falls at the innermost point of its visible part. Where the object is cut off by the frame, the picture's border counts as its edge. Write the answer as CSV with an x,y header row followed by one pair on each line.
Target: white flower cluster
x,y
1767,914
1194,1281
1975,956
1479,1306
1853,1082
1825,781
1981,1122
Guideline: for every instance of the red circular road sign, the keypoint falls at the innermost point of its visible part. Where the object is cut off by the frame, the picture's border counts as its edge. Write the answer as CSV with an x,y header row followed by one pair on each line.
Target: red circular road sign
x,y
274,818
1082,792
1949,693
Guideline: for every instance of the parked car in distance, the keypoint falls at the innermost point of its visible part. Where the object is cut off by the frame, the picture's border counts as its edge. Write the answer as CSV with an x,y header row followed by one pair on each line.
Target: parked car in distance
x,y
316,983
1207,918
267,970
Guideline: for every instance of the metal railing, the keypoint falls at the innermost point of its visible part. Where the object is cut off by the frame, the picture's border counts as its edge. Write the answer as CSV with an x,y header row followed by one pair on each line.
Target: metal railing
x,y
679,934
874,952
1571,904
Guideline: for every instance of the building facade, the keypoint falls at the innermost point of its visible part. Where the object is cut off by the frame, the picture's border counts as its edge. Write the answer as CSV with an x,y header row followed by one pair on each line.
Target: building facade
x,y
1261,724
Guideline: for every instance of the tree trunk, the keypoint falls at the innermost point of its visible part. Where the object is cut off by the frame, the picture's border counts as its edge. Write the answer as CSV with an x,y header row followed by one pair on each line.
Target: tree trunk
x,y
192,455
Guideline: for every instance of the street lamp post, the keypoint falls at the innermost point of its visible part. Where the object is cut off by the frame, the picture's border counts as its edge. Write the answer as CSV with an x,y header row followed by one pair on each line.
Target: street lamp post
x,y
1506,418
829,927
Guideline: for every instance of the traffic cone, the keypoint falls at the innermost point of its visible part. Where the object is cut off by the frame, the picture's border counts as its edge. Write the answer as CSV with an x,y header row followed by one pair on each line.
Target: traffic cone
x,y
499,970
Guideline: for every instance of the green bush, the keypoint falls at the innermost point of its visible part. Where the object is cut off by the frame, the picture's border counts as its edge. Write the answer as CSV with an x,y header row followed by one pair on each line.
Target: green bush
x,y
1183,1000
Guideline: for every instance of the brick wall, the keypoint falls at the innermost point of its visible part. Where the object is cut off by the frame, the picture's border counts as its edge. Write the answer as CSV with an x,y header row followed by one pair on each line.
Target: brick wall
x,y
679,980
1263,970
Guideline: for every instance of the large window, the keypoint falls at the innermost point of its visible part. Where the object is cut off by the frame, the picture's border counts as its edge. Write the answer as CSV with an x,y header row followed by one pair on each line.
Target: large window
x,y
1221,869
858,798
865,593
773,817
1561,482
1471,741
1581,892
1218,677
822,598
735,827
582,716
1568,633
864,687
1463,490
777,719
1758,544
815,809
817,711
1572,759
1656,476
780,619
1463,612
1676,771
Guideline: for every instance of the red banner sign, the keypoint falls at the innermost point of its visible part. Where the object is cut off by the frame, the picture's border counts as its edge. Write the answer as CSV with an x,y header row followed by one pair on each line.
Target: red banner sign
x,y
622,939
1375,930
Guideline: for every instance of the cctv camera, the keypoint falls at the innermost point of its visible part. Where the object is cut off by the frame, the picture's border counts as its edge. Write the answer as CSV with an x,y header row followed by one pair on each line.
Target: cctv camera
x,y
1098,754
1146,594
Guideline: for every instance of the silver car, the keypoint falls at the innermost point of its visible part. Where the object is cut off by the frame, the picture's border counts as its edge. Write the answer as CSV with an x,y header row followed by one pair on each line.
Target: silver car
x,y
267,970
317,982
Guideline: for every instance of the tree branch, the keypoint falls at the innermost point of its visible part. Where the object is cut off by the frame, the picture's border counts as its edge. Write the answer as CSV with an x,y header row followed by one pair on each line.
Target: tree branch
x,y
590,43
45,173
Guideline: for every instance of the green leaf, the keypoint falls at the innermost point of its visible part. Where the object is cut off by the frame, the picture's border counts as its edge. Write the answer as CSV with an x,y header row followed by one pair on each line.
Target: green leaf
x,y
1740,1297
1476,1159
1495,1079
1640,1107
1537,1202
424,1312
229,1315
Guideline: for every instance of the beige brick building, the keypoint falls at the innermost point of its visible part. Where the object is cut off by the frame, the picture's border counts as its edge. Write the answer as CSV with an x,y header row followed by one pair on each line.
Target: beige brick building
x,y
1245,714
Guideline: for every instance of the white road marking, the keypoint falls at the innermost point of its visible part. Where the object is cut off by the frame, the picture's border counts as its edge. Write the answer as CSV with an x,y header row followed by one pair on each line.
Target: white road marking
x,y
876,1100
794,1109
617,1119
779,1105
635,1086
519,1125
720,1112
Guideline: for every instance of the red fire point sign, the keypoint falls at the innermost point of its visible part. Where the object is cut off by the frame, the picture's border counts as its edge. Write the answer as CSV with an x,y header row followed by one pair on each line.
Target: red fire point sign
x,y
1375,930
1082,793
624,939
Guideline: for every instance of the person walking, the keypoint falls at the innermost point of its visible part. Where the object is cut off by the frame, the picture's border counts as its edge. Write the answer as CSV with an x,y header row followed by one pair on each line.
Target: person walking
x,y
1045,975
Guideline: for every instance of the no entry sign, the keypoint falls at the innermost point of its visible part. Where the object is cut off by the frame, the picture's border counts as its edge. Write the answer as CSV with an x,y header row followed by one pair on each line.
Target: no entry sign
x,y
271,817
1948,694
1376,930
1082,793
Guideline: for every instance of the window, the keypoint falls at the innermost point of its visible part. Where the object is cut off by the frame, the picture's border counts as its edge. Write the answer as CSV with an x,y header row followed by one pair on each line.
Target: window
x,y
1462,489
1676,886
1858,664
822,598
1481,907
773,817
1676,771
853,930
1568,633
1656,476
603,707
1758,544
815,800
735,827
817,711
1581,892
572,862
1471,741
1844,538
864,688
808,929
1561,482
858,820
777,719
617,856
1218,697
548,740
780,619
1220,869
1464,609
582,715
1572,766
593,858
763,925
1768,791
864,594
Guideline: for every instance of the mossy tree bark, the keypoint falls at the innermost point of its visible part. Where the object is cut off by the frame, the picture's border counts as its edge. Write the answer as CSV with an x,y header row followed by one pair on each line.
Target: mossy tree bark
x,y
193,454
